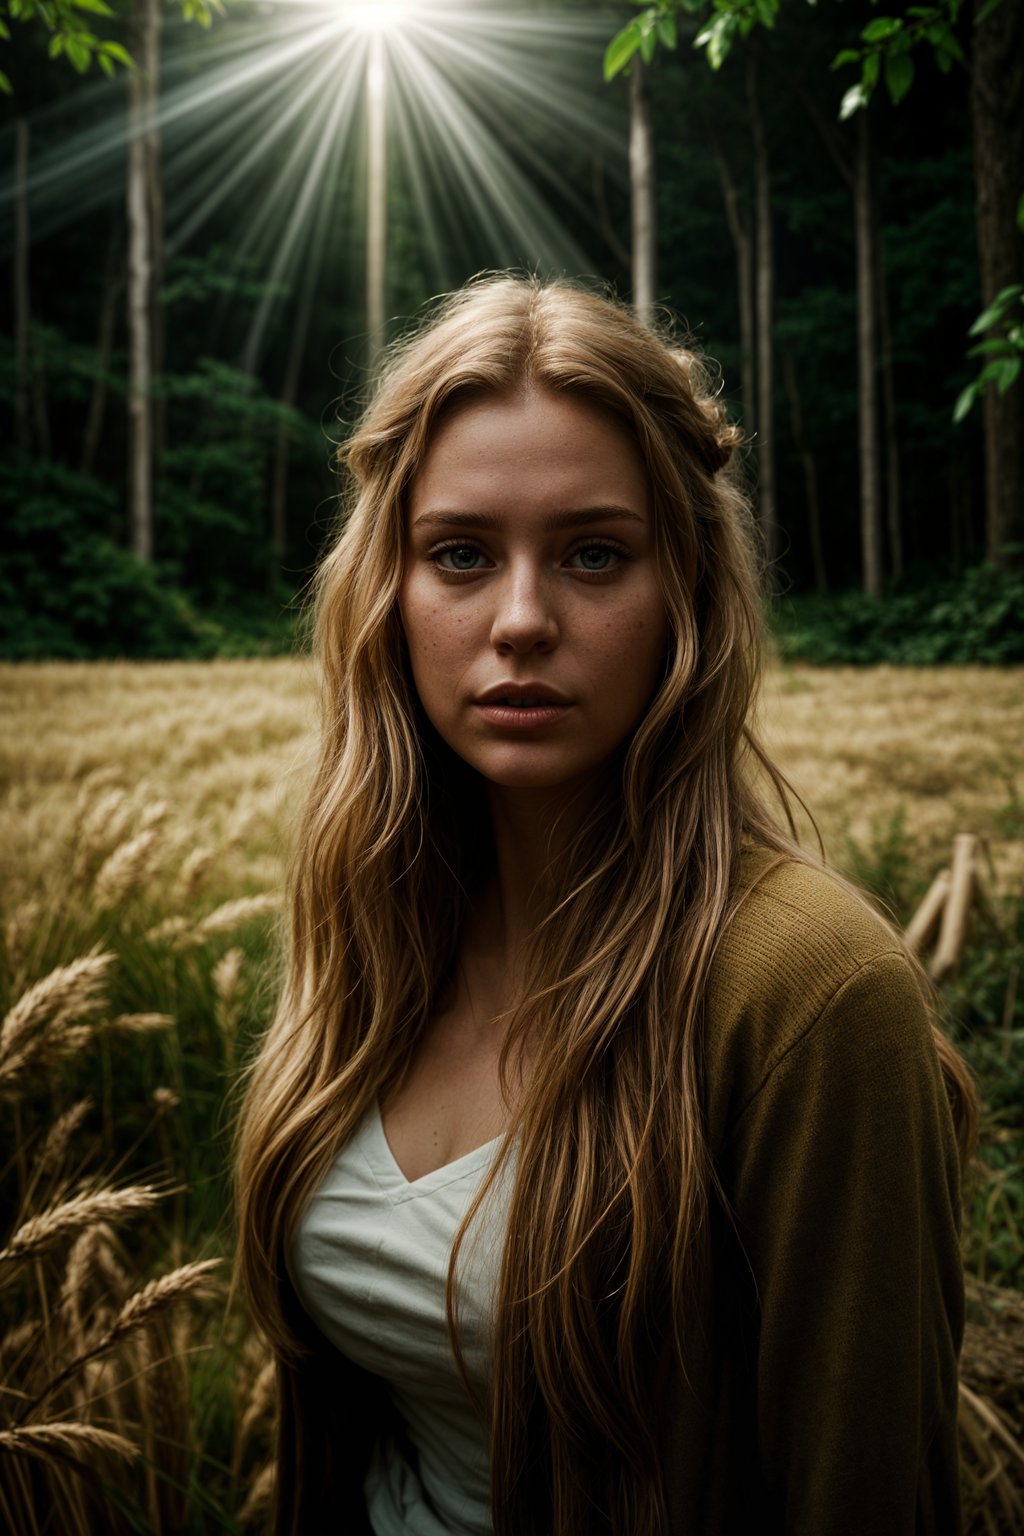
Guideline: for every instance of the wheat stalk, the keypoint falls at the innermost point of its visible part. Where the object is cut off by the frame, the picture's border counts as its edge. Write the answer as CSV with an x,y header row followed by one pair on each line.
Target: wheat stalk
x,y
17,1338
261,1403
82,1260
138,1311
154,815
18,931
105,822
140,1023
192,873
59,1136
124,870
259,1494
225,975
64,1434
170,930
155,1297
41,1232
233,913
72,991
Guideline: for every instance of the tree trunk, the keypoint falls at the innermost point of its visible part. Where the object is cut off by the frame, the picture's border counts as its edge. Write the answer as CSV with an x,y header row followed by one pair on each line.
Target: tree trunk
x,y
997,113
643,208
289,391
376,199
150,64
140,371
22,306
810,470
893,496
765,307
743,245
113,282
867,385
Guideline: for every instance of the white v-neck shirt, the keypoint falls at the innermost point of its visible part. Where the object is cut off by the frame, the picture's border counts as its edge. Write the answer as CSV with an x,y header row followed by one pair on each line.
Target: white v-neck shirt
x,y
370,1262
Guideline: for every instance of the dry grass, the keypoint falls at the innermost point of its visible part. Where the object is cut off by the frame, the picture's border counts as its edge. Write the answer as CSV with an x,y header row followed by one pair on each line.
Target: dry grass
x,y
944,744
224,747
143,816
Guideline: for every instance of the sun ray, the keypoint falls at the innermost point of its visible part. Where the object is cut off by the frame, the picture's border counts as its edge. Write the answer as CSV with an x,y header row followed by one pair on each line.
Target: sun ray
x,y
265,122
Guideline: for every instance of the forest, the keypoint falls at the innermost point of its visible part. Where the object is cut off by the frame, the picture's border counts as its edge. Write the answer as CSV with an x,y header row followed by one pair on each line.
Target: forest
x,y
215,216
207,251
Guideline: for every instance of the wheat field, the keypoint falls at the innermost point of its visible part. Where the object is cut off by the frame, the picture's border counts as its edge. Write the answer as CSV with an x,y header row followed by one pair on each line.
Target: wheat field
x,y
144,816
224,746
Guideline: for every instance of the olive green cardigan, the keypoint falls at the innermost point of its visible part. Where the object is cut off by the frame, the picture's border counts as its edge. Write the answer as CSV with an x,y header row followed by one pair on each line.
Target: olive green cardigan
x,y
820,1391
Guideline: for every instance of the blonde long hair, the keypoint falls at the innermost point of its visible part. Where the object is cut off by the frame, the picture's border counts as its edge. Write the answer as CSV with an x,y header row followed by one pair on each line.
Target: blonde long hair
x,y
606,1234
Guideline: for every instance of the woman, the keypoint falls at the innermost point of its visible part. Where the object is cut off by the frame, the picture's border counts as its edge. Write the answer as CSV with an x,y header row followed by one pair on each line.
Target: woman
x,y
599,1172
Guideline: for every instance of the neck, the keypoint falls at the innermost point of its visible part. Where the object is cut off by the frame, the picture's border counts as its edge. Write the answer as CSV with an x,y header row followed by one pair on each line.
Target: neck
x,y
531,830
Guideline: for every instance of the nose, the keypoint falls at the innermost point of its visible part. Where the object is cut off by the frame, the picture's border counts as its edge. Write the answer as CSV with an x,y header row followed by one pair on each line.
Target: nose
x,y
525,618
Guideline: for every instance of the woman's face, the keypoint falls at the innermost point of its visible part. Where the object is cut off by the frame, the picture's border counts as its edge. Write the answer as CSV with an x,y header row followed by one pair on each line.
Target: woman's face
x,y
531,601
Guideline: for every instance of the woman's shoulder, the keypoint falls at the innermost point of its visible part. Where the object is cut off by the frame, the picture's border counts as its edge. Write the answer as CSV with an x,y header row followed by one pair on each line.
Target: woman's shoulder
x,y
802,955
798,917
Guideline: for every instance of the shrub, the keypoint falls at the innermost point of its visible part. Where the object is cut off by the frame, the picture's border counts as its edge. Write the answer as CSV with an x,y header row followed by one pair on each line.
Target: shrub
x,y
976,618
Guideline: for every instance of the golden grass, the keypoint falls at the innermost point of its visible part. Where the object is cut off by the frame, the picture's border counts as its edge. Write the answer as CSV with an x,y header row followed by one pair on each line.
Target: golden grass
x,y
203,762
156,799
944,744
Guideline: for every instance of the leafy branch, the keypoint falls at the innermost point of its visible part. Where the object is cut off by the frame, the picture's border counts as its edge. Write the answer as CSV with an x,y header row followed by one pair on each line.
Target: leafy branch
x,y
71,34
883,53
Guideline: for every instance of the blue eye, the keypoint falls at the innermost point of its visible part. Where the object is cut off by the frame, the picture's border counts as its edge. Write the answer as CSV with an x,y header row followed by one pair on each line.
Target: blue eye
x,y
457,557
598,557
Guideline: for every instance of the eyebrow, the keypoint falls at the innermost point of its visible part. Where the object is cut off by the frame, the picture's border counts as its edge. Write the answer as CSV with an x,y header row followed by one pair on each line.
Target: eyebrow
x,y
579,517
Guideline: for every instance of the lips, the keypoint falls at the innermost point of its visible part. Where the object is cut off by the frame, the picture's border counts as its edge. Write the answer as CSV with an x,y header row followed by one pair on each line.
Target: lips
x,y
522,695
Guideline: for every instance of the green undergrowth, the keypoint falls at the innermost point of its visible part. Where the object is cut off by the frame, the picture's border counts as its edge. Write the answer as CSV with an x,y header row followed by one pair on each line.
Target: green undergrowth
x,y
974,618
982,1008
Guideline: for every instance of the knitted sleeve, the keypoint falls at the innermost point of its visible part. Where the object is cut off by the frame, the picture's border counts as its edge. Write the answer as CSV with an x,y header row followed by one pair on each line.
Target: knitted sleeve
x,y
846,1198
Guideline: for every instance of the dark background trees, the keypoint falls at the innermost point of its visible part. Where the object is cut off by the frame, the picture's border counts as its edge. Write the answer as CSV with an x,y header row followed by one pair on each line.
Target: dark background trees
x,y
181,397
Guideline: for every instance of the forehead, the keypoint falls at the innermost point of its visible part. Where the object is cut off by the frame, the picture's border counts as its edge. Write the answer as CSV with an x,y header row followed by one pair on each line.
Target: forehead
x,y
531,450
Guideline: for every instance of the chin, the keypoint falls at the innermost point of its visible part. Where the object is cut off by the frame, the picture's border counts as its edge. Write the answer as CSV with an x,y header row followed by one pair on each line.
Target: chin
x,y
508,774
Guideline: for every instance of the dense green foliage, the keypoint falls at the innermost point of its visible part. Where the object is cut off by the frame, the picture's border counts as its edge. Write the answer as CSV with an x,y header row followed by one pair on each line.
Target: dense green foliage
x,y
978,617
223,579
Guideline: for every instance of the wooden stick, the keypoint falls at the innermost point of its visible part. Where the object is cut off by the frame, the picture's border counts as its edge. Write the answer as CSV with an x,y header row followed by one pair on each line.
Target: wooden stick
x,y
954,918
922,925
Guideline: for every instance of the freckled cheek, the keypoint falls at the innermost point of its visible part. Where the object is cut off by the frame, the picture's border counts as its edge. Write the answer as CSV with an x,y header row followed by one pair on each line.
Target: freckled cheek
x,y
438,638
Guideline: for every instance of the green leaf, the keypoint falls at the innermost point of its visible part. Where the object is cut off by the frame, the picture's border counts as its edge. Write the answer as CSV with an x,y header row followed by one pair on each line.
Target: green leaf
x,y
855,98
899,75
986,11
1020,214
77,53
992,373
717,38
965,400
5,85
666,27
648,43
4,33
847,56
992,315
119,54
765,13
1009,372
872,64
881,28
105,64
97,7
621,49
997,346
56,45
